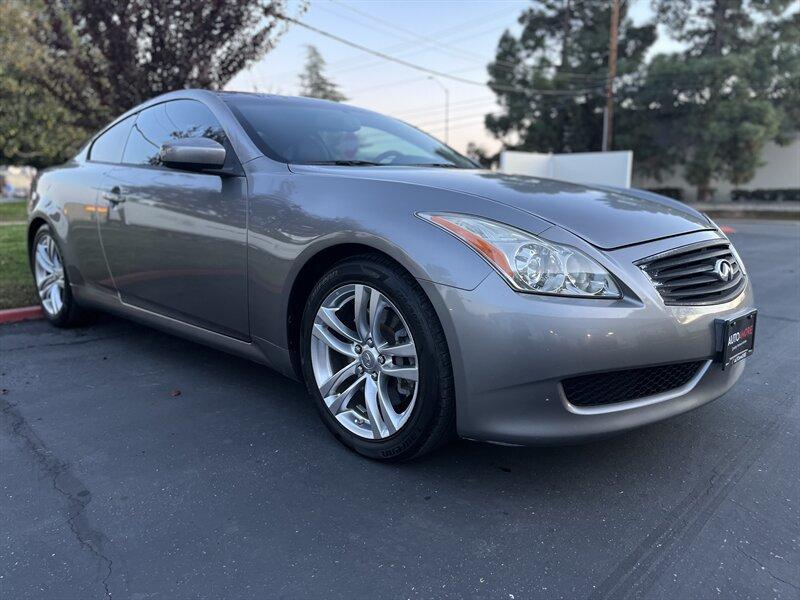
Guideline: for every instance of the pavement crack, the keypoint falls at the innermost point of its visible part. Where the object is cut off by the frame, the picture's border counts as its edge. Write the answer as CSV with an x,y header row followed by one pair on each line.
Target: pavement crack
x,y
766,569
65,483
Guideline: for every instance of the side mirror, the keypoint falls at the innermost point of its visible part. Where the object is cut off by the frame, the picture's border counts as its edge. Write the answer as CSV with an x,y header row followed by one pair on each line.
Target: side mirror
x,y
193,154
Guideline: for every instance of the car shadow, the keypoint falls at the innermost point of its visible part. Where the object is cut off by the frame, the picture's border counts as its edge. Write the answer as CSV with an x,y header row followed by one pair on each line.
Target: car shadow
x,y
621,460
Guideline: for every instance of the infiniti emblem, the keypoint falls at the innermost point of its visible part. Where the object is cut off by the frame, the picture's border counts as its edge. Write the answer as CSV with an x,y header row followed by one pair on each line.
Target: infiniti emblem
x,y
723,270
368,361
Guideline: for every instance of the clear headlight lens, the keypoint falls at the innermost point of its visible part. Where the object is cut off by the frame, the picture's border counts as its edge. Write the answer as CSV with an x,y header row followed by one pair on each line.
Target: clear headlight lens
x,y
529,263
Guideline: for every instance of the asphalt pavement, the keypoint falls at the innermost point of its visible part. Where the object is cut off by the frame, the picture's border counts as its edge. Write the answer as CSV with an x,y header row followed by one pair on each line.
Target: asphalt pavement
x,y
138,465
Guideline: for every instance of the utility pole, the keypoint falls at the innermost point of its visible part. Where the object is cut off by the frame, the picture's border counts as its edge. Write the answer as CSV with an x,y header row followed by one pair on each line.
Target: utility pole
x,y
608,114
446,109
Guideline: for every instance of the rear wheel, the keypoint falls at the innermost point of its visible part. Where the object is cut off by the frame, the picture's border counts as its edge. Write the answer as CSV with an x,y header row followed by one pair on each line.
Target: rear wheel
x,y
52,283
376,362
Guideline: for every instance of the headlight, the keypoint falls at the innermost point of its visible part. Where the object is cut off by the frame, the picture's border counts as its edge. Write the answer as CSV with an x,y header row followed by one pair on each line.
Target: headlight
x,y
529,263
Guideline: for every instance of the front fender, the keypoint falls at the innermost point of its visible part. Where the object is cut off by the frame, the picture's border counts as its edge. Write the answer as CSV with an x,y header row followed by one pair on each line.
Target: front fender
x,y
293,218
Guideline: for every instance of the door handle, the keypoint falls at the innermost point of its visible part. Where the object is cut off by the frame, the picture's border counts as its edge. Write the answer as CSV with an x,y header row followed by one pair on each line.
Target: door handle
x,y
114,196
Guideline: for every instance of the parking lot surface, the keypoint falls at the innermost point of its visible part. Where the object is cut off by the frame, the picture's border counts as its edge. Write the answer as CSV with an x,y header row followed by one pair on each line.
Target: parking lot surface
x,y
138,465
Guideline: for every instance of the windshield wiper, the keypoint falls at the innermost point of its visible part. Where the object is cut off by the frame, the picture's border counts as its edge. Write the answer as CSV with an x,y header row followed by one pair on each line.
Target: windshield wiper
x,y
348,163
437,165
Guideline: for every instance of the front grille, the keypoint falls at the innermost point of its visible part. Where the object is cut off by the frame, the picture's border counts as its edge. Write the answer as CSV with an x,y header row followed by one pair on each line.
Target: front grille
x,y
631,384
687,276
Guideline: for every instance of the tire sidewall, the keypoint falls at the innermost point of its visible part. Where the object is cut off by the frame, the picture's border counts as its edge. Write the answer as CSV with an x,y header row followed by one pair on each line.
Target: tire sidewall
x,y
400,291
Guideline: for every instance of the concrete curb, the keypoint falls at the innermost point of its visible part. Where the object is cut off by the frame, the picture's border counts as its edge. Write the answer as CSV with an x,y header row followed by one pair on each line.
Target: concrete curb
x,y
752,214
14,315
749,210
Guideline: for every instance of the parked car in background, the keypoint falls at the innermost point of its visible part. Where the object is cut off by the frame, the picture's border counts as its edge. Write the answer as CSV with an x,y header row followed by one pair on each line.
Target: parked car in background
x,y
418,296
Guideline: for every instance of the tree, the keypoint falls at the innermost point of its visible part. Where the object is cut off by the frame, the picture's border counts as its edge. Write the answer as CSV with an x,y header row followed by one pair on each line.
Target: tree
x,y
479,155
101,58
314,83
731,91
35,129
550,80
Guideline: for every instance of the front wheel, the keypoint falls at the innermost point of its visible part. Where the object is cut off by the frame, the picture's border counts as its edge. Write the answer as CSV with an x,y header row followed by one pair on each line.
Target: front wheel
x,y
376,361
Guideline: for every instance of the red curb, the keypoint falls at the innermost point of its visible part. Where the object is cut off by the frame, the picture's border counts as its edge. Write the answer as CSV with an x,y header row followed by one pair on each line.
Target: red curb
x,y
14,315
726,229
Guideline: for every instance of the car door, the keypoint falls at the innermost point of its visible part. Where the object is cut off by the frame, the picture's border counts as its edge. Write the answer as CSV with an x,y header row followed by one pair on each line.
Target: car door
x,y
77,187
176,240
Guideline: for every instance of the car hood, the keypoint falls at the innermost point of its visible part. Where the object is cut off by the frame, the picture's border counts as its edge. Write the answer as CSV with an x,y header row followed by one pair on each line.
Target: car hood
x,y
605,217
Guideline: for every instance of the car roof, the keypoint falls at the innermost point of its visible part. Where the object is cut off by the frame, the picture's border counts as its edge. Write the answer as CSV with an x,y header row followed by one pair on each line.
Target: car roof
x,y
277,99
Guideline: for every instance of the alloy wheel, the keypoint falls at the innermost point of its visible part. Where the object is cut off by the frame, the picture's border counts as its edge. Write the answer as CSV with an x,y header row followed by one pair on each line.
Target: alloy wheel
x,y
364,361
49,274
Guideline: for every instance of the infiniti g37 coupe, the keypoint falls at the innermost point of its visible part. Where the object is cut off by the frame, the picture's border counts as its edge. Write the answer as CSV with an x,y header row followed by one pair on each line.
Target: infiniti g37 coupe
x,y
418,296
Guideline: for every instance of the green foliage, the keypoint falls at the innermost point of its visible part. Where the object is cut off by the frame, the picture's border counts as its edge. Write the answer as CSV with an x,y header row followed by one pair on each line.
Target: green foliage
x,y
480,156
136,49
314,83
550,81
717,27
16,281
727,95
35,129
708,110
760,195
70,66
13,211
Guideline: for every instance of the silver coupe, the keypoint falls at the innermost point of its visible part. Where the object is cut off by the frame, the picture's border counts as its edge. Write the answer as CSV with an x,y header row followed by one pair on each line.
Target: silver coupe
x,y
418,296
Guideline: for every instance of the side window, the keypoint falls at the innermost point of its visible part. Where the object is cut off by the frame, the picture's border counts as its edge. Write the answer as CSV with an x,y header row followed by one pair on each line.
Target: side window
x,y
108,147
169,121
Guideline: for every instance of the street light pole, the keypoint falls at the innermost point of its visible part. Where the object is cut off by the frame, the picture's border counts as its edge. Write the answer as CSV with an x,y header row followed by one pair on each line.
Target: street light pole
x,y
446,109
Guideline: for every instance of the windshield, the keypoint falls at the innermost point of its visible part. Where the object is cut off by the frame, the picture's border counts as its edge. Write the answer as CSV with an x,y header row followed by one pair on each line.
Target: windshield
x,y
321,133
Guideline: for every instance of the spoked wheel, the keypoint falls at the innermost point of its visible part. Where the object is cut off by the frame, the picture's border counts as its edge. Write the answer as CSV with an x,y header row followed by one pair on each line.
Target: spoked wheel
x,y
48,270
374,357
52,281
364,361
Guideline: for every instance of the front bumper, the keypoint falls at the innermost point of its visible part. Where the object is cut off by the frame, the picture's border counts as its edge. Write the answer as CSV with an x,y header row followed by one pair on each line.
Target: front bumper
x,y
511,351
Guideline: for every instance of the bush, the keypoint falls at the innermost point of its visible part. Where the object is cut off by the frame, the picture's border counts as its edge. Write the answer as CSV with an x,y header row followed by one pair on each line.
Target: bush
x,y
776,195
669,192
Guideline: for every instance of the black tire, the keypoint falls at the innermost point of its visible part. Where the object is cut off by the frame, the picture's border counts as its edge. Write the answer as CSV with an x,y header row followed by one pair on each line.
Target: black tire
x,y
432,421
70,314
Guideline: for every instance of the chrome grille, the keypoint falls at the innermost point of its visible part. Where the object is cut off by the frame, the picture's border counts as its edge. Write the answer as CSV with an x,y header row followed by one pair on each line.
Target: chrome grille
x,y
694,274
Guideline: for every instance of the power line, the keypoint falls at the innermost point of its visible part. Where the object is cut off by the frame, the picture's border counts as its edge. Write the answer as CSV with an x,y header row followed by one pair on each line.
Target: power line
x,y
433,42
380,54
467,117
410,65
460,28
403,81
343,64
460,104
423,38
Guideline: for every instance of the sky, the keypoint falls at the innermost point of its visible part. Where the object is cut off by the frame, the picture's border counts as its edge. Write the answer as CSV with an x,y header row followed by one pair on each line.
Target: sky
x,y
458,37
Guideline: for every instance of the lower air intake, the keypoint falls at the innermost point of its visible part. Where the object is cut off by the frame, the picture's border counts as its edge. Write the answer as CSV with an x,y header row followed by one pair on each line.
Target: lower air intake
x,y
631,384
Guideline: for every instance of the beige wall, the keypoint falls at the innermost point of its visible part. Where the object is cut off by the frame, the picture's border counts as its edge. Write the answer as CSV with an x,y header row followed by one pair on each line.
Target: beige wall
x,y
781,170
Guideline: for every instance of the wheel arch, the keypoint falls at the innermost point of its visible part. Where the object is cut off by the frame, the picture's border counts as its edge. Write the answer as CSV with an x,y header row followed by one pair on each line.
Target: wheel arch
x,y
34,226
